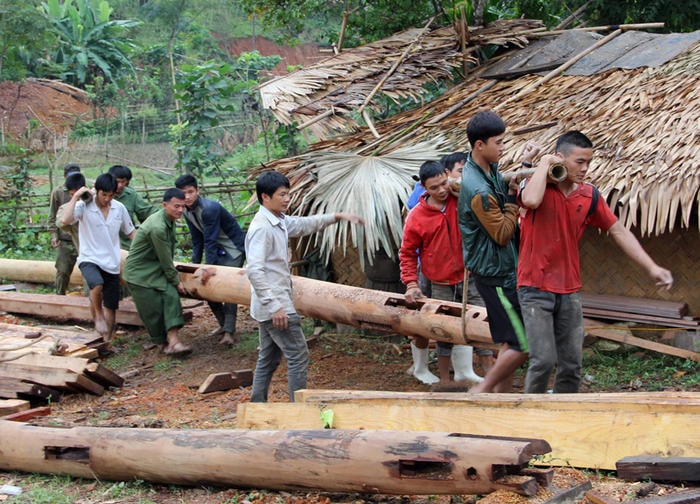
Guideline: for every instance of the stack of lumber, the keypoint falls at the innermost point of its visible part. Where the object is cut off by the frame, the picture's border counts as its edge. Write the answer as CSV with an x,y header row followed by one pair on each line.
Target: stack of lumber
x,y
39,363
646,311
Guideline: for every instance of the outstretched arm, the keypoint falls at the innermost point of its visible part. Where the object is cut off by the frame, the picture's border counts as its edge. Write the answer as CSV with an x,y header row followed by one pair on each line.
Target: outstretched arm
x,y
629,244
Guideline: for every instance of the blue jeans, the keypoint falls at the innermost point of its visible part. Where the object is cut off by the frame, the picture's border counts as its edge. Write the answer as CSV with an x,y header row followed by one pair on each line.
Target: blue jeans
x,y
554,327
273,344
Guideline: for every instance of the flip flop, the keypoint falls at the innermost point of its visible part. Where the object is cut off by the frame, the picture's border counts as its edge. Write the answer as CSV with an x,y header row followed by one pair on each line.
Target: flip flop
x,y
178,350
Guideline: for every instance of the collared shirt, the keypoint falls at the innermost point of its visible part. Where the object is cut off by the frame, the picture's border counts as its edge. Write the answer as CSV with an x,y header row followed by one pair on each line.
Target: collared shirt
x,y
150,260
213,229
99,237
137,207
549,254
267,255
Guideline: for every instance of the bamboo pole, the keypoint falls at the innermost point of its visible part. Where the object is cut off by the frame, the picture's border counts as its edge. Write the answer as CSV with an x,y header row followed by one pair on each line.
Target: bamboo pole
x,y
623,27
557,71
396,64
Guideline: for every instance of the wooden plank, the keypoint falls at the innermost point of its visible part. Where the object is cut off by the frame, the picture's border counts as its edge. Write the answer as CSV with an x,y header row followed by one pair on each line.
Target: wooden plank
x,y
608,430
9,406
599,330
23,416
13,388
63,307
684,497
637,468
689,323
19,338
75,364
226,381
642,306
103,375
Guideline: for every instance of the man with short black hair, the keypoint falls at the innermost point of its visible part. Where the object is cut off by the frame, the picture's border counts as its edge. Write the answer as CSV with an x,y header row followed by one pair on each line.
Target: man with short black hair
x,y
549,278
139,209
217,236
152,278
99,257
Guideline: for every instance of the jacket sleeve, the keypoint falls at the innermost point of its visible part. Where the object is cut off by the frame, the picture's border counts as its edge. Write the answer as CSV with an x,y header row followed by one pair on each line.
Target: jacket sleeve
x,y
408,253
499,224
142,208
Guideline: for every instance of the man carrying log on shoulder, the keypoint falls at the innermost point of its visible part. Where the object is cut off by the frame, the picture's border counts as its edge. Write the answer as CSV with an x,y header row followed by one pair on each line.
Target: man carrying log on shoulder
x,y
100,219
549,277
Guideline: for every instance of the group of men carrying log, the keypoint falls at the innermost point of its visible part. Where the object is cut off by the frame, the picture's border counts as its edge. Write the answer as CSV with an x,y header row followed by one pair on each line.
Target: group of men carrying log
x,y
518,241
520,246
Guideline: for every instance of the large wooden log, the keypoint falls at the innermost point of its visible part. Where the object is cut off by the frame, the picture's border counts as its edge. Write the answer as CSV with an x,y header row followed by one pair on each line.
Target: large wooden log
x,y
34,271
333,460
585,430
345,304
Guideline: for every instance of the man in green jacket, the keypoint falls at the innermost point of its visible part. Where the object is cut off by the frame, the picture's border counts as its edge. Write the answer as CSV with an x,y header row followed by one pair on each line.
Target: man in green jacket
x,y
152,278
488,220
139,209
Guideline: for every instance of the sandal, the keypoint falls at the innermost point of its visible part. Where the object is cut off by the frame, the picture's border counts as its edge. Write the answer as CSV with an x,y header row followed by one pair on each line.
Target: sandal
x,y
177,350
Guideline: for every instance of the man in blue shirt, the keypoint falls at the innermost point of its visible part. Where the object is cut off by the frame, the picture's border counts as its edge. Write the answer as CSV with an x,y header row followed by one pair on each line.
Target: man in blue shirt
x,y
217,236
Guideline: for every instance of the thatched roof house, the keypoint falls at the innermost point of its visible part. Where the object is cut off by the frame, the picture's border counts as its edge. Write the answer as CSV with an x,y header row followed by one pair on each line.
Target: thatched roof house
x,y
637,95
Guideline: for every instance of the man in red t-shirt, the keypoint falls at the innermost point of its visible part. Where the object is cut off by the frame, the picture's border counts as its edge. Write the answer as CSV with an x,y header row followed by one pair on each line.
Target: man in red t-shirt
x,y
549,279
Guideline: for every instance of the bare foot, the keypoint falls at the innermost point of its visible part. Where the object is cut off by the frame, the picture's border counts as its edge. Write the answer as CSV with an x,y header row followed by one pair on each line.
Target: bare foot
x,y
177,349
228,339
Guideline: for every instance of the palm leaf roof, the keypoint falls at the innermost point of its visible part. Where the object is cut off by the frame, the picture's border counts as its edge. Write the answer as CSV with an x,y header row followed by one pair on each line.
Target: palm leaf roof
x,y
644,122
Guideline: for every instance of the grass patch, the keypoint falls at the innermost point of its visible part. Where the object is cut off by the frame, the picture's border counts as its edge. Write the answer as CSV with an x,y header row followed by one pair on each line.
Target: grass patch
x,y
631,369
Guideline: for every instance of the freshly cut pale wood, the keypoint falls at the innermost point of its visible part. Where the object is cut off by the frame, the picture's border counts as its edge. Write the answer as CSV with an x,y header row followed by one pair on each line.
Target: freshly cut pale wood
x,y
659,468
9,406
364,461
22,338
46,371
585,430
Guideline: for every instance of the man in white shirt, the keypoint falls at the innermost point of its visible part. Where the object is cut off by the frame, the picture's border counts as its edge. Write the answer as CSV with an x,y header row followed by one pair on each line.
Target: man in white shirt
x,y
268,270
100,219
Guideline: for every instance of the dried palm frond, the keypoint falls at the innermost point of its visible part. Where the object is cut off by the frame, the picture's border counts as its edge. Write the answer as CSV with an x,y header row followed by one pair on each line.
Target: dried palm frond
x,y
374,187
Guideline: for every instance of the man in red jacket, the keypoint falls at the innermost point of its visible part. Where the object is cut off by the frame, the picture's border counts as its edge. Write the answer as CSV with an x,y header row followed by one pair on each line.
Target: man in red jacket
x,y
431,234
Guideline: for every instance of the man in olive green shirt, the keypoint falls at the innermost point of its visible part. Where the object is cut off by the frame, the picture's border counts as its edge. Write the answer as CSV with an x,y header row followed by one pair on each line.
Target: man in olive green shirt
x,y
139,209
61,240
152,278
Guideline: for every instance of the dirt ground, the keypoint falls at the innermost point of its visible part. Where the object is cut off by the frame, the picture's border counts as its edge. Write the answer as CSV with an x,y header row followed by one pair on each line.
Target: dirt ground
x,y
161,392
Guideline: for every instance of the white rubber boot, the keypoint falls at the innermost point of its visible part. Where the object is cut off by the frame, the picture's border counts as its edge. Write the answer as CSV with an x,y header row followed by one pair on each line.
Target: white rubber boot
x,y
420,365
463,365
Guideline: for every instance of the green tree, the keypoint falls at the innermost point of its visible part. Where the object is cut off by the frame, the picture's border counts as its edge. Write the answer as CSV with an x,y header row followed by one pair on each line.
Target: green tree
x,y
22,38
89,43
204,93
